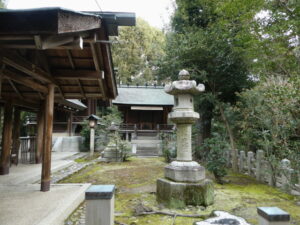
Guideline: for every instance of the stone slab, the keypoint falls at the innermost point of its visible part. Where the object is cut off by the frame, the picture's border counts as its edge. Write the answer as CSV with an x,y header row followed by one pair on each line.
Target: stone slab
x,y
185,171
273,214
27,205
178,195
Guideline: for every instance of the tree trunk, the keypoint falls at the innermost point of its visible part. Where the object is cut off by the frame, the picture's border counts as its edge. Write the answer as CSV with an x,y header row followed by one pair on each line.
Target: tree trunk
x,y
231,138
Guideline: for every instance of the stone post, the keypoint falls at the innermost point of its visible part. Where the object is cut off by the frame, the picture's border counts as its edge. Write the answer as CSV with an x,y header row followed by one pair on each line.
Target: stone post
x,y
286,175
100,205
272,216
242,159
185,182
259,162
250,156
92,141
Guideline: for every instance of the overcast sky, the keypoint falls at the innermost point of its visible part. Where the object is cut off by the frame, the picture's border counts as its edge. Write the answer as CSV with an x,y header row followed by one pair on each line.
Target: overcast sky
x,y
156,12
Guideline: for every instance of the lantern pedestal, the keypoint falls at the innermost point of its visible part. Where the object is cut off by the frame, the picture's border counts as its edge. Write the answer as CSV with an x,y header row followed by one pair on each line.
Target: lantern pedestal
x,y
111,153
180,194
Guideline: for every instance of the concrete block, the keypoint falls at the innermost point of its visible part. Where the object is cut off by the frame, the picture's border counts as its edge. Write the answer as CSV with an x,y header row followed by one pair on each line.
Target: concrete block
x,y
100,205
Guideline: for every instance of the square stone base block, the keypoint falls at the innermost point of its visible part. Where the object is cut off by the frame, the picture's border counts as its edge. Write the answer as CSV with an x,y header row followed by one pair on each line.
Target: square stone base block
x,y
185,172
178,195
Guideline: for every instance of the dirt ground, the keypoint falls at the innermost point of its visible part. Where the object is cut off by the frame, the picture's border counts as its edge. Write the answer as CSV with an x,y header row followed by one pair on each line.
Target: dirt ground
x,y
135,181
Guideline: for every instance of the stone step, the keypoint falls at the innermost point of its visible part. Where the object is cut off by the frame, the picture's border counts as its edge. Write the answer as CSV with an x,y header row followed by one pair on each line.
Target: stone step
x,y
146,141
147,153
147,138
148,134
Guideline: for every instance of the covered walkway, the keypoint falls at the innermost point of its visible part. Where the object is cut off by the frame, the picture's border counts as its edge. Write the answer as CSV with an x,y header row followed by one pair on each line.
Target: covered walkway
x,y
22,202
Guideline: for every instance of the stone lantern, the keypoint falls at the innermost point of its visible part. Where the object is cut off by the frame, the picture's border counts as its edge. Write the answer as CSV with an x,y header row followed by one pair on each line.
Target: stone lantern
x,y
112,153
184,182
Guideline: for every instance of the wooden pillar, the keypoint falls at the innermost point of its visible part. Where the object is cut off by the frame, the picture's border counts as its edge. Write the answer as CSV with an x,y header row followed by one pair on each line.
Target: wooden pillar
x,y
16,134
6,138
70,121
46,165
40,133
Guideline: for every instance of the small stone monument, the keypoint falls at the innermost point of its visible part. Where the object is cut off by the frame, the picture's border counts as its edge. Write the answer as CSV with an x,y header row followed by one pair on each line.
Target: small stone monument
x,y
112,153
184,182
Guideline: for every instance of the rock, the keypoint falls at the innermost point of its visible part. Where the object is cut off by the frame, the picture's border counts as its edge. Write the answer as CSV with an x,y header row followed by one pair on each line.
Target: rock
x,y
223,218
298,203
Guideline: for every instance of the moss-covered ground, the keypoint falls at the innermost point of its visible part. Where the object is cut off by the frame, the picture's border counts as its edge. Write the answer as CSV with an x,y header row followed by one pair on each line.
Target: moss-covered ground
x,y
136,183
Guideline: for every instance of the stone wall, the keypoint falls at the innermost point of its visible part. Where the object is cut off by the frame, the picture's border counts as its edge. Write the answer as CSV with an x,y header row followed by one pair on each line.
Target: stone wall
x,y
257,166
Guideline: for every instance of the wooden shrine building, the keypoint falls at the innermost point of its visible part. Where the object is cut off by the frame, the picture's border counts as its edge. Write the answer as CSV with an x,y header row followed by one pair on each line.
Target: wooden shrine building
x,y
144,108
49,55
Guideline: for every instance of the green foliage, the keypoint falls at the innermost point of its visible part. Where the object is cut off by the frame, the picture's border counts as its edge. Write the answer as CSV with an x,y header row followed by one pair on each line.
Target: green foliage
x,y
109,116
207,41
125,149
269,119
215,158
137,53
168,146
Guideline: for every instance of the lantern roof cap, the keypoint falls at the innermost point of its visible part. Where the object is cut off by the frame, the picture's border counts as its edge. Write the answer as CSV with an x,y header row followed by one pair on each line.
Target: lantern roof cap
x,y
93,117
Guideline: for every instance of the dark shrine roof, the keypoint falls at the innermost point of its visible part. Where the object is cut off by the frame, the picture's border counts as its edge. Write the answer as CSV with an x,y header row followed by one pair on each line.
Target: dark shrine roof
x,y
143,95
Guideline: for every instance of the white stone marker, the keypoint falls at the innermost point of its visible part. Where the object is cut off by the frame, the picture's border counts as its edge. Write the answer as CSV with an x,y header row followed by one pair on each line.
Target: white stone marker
x,y
272,216
100,205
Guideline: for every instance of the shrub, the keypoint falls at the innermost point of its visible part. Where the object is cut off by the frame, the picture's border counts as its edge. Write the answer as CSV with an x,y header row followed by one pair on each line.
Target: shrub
x,y
215,158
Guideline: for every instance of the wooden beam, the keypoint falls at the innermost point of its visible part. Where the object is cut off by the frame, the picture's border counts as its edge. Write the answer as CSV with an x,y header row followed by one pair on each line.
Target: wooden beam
x,y
51,42
78,96
15,37
6,138
98,65
45,62
81,88
71,59
40,133
76,74
15,88
107,61
46,165
27,67
2,66
24,81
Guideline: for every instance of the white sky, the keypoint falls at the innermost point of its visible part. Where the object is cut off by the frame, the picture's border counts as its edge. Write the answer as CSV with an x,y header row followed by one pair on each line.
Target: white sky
x,y
156,12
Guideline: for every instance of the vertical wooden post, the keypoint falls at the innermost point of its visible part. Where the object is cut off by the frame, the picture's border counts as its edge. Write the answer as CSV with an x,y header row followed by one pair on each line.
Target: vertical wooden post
x,y
40,133
46,165
6,138
70,121
16,134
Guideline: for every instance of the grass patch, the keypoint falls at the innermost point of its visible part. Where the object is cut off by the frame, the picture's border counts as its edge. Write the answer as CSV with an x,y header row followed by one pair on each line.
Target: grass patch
x,y
135,181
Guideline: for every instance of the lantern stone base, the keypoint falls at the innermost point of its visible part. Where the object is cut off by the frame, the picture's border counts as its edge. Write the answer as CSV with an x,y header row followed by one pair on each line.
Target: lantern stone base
x,y
185,171
179,195
111,154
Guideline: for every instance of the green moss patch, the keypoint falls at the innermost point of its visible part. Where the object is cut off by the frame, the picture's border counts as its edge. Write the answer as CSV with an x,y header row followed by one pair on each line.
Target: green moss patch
x,y
136,180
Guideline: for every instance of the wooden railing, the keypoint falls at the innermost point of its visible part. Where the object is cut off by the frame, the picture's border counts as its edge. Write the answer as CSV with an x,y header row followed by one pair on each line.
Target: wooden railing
x,y
28,149
138,127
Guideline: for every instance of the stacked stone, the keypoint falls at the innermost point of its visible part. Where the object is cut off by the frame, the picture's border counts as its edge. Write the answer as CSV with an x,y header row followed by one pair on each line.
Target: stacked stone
x,y
184,182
